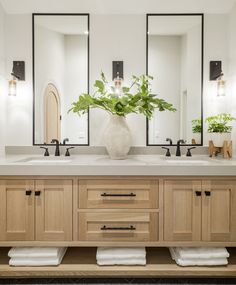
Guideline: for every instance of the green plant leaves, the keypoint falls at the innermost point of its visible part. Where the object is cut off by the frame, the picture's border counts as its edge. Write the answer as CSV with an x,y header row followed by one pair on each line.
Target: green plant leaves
x,y
220,123
143,101
197,126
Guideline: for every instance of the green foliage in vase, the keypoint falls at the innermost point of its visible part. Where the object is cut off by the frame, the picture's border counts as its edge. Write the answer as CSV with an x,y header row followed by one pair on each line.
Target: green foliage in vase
x,y
138,98
220,123
197,126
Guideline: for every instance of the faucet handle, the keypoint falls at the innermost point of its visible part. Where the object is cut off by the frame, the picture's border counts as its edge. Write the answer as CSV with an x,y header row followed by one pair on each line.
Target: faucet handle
x,y
189,151
46,153
167,151
67,151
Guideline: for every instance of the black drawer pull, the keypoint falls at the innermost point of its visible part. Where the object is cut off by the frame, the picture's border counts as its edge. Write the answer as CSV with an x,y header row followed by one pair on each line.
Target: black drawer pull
x,y
118,195
105,228
208,193
28,192
37,193
198,193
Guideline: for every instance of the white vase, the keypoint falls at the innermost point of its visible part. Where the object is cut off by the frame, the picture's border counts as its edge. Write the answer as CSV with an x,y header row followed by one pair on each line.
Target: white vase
x,y
197,137
117,137
219,138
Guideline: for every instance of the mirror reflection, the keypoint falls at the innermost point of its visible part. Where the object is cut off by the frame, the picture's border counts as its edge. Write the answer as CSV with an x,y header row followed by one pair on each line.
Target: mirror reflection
x,y
175,61
61,73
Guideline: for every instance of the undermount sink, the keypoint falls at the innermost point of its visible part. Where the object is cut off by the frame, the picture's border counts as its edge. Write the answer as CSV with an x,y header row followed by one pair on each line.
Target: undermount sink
x,y
186,161
48,160
182,160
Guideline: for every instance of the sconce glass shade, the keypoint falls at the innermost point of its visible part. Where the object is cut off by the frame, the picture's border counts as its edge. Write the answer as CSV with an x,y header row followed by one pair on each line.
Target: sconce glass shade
x,y
12,85
220,86
118,84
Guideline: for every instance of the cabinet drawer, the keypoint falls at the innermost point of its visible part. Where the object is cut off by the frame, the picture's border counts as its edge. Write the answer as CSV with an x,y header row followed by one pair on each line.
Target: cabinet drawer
x,y
114,226
116,194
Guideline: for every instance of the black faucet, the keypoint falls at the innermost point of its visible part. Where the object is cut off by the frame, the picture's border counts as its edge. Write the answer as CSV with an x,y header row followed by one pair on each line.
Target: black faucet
x,y
178,152
57,151
65,141
169,140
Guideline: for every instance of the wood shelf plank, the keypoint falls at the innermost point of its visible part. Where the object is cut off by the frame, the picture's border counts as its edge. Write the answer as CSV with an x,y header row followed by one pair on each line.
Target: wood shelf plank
x,y
81,262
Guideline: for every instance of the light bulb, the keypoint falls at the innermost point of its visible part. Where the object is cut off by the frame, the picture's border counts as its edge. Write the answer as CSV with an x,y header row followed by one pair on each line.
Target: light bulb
x,y
12,85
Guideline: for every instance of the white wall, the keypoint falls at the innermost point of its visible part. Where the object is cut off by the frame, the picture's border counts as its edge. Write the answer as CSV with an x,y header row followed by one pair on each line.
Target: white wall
x,y
49,68
117,37
215,48
113,37
3,81
192,79
164,65
76,78
232,69
19,109
61,60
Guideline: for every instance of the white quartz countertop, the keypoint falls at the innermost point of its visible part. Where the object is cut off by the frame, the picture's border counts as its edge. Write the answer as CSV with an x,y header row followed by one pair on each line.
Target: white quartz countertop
x,y
155,165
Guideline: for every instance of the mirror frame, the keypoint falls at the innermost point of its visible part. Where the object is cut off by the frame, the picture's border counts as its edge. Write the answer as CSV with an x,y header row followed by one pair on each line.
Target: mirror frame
x,y
34,15
202,69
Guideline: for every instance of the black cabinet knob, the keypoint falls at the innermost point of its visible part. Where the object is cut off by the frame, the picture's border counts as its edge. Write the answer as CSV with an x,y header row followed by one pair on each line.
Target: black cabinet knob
x,y
37,193
28,192
198,193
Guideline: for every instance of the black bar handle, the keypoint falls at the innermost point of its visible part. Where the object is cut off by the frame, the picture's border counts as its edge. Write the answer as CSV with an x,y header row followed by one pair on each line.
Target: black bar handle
x,y
28,192
105,228
37,193
207,193
198,193
118,195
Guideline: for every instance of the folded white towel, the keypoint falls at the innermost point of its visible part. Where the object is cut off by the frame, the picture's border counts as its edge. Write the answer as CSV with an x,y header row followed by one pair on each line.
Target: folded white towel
x,y
197,262
201,252
114,261
34,252
121,253
38,261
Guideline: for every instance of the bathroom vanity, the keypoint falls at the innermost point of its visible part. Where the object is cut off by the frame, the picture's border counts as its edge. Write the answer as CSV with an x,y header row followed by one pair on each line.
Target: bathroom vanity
x,y
94,207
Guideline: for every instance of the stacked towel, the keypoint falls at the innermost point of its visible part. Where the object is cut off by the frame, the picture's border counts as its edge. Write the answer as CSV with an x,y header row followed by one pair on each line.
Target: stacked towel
x,y
199,256
36,256
121,256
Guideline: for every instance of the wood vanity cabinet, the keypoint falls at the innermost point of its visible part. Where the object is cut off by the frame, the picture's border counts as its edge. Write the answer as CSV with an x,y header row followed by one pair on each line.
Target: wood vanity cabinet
x,y
219,210
36,210
16,210
200,210
182,210
117,210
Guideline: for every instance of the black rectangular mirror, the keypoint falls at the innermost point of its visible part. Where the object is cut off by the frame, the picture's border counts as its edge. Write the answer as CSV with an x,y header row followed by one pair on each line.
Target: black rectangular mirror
x,y
60,75
175,60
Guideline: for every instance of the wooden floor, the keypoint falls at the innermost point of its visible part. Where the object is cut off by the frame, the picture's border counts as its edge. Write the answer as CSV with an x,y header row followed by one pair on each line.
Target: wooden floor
x,y
81,262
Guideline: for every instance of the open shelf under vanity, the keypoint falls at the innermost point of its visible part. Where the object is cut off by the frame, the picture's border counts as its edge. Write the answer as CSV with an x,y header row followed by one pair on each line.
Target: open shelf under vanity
x,y
81,262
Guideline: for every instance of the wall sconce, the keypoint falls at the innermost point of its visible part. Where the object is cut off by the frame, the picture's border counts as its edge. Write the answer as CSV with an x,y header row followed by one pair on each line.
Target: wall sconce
x,y
216,74
18,73
117,75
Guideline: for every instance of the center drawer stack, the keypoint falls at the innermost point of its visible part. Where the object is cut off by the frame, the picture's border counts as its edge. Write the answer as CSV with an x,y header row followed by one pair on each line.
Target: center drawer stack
x,y
118,210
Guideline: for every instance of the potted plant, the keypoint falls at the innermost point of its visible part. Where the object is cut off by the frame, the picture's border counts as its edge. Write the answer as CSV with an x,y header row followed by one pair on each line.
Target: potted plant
x,y
138,99
197,130
219,128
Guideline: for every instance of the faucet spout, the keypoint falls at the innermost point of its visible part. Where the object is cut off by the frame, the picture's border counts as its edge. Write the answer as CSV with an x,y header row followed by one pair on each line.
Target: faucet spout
x,y
178,151
57,151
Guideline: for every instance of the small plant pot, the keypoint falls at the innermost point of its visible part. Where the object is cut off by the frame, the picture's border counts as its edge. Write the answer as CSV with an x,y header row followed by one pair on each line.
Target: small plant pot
x,y
219,138
197,138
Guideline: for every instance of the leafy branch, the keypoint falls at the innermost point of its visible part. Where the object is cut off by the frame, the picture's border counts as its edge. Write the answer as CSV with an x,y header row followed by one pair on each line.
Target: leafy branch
x,y
142,101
